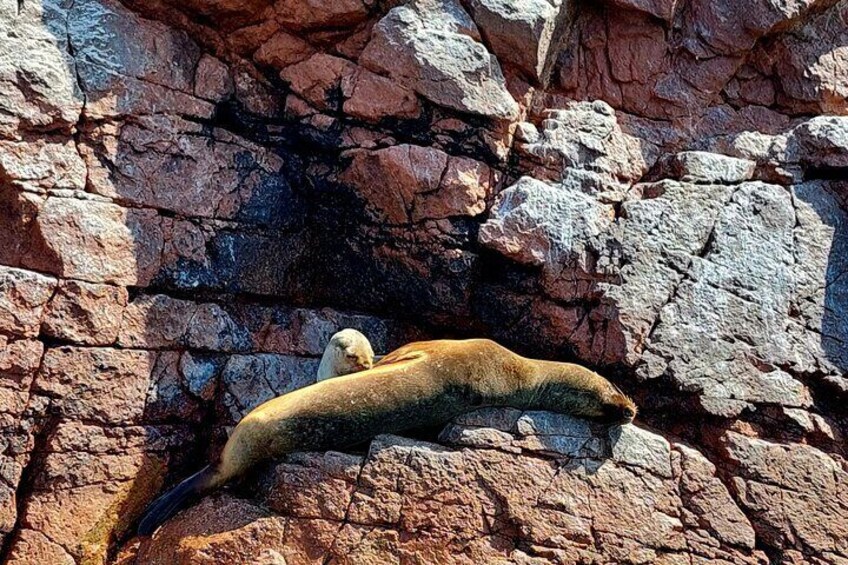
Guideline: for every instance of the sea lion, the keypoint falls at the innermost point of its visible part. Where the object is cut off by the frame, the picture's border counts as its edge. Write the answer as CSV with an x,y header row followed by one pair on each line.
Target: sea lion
x,y
420,384
347,352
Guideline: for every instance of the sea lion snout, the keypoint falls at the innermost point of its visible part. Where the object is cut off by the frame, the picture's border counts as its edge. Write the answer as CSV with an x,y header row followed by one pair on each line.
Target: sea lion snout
x,y
619,410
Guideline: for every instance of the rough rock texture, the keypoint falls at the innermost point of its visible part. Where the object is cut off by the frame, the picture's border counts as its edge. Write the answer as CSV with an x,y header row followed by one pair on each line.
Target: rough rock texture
x,y
531,488
195,195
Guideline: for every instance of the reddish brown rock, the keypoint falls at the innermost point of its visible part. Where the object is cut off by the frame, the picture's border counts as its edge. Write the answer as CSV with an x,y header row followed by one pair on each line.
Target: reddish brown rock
x,y
19,360
689,231
317,14
34,547
421,501
97,241
663,9
465,189
212,79
230,522
372,98
42,164
388,179
419,183
108,386
93,483
318,79
795,494
85,313
23,296
283,49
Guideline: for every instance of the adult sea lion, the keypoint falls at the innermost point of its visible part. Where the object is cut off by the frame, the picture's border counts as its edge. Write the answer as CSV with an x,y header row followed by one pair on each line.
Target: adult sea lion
x,y
347,352
421,384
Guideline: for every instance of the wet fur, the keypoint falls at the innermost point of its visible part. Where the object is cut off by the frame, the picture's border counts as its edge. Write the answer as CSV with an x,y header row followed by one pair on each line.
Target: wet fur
x,y
420,384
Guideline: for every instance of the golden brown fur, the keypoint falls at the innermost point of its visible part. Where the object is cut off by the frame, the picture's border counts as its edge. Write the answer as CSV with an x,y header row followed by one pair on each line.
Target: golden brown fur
x,y
420,384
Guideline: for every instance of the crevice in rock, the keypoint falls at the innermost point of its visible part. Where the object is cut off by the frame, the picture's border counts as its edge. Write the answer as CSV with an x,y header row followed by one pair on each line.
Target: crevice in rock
x,y
46,426
825,173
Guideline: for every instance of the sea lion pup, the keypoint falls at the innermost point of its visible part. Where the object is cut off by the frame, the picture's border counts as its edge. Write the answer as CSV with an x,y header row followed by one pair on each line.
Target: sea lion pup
x,y
420,384
347,352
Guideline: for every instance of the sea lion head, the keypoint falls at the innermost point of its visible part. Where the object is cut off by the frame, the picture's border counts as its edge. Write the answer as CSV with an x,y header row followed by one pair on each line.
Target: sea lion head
x,y
618,408
351,352
576,390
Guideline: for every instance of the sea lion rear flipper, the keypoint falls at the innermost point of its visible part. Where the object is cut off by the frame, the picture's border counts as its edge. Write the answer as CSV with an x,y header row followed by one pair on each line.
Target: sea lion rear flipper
x,y
173,501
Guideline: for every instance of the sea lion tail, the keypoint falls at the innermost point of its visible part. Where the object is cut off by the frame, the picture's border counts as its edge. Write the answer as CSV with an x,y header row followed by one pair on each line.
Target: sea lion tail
x,y
175,499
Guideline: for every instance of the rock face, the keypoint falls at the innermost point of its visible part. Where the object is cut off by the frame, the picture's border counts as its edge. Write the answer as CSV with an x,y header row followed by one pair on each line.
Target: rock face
x,y
194,196
504,487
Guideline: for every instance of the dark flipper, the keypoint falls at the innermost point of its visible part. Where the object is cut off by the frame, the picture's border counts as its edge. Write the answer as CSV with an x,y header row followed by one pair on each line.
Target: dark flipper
x,y
174,500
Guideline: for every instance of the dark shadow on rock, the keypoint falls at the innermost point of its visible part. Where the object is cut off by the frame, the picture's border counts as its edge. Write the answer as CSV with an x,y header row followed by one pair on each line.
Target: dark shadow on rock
x,y
829,200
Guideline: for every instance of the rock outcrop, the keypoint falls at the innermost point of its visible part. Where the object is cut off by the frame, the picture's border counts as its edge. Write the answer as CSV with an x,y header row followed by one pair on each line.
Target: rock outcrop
x,y
195,195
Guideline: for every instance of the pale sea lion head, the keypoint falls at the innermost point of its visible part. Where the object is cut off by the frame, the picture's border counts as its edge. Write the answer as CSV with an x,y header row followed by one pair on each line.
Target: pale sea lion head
x,y
351,351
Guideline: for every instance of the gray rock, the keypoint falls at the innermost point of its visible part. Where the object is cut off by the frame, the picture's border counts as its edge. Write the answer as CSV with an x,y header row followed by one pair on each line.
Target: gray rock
x,y
735,292
526,33
821,142
634,446
538,223
250,380
433,47
704,167
585,135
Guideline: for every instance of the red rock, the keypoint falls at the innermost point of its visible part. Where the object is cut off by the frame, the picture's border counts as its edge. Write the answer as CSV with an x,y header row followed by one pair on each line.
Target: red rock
x,y
97,241
42,163
249,38
400,172
795,494
31,547
23,296
257,97
212,80
372,98
423,183
148,143
316,14
419,501
17,214
283,49
96,384
318,79
155,322
85,313
19,359
663,9
215,531
465,188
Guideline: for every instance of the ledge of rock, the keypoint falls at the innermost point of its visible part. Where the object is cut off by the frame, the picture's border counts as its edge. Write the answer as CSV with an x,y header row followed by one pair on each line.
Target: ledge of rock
x,y
194,196
502,486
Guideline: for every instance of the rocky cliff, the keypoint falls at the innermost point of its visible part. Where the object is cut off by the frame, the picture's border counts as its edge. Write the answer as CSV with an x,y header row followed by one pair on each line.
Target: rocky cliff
x,y
195,195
